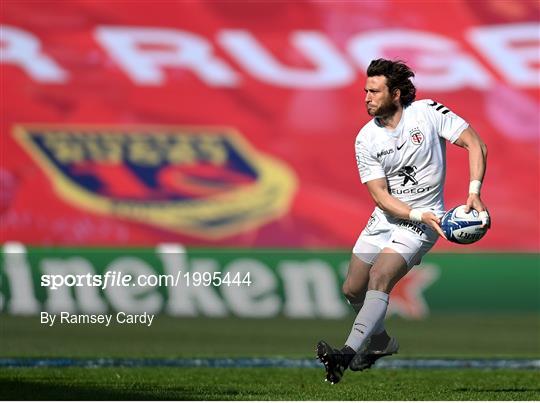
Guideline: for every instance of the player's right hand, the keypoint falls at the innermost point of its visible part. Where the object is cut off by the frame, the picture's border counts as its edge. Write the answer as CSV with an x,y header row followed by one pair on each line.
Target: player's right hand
x,y
474,202
433,221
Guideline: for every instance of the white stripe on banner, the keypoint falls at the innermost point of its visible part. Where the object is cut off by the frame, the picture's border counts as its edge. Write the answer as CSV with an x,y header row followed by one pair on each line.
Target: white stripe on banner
x,y
260,363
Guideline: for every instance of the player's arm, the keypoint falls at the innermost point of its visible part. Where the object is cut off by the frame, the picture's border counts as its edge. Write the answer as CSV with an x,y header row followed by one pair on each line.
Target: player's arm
x,y
471,141
378,190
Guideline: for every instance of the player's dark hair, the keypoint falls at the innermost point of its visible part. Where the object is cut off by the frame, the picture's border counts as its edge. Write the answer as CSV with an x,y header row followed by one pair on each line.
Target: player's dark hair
x,y
398,76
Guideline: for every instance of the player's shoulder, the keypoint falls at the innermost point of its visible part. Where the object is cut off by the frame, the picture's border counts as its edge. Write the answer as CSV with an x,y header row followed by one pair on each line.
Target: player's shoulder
x,y
366,132
433,109
422,108
423,104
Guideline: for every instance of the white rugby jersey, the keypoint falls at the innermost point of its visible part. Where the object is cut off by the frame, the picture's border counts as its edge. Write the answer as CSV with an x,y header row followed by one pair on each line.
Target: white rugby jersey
x,y
413,156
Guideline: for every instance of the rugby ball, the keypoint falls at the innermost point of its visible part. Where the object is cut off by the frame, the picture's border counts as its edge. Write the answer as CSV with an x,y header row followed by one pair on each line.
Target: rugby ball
x,y
461,227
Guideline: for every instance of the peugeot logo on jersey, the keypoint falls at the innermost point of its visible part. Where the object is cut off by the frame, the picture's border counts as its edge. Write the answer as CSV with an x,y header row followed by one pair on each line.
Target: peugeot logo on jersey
x,y
417,137
408,173
409,178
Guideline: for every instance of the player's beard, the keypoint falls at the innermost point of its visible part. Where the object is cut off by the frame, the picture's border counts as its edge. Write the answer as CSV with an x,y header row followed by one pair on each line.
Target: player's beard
x,y
386,110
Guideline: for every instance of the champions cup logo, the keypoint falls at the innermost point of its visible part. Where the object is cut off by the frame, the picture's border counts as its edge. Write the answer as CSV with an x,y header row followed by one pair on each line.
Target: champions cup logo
x,y
202,181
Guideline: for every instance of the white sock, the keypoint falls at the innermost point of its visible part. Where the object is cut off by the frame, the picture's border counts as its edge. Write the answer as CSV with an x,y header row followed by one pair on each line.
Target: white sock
x,y
357,306
370,317
380,327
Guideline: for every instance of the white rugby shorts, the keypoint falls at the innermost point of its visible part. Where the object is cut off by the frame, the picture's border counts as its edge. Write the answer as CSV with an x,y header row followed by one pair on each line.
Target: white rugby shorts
x,y
410,239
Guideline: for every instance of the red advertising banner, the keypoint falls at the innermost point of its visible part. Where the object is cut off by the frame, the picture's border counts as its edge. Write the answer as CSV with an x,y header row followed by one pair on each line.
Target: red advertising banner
x,y
233,123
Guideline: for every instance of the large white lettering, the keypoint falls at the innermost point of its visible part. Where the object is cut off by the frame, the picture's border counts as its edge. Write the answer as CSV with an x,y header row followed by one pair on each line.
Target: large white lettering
x,y
438,62
73,299
24,50
19,278
330,69
136,298
514,49
189,300
260,299
144,52
311,290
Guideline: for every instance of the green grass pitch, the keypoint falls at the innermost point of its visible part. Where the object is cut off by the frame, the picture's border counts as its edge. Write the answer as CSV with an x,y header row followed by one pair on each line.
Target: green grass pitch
x,y
266,384
441,336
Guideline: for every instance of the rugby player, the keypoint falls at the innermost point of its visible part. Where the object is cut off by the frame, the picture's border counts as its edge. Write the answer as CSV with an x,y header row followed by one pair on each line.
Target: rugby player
x,y
401,158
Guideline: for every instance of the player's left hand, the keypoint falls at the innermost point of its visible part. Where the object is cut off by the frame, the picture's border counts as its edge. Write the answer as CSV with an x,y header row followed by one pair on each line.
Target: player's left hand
x,y
474,202
434,222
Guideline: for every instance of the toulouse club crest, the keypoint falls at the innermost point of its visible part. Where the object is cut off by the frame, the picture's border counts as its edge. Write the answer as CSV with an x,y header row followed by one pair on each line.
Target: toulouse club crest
x,y
417,137
202,181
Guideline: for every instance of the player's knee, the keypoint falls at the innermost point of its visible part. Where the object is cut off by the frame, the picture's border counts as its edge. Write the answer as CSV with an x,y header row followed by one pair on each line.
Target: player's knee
x,y
379,280
353,294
